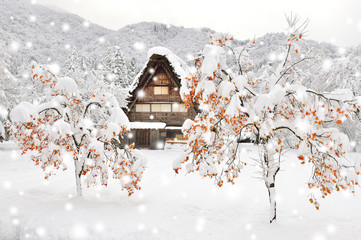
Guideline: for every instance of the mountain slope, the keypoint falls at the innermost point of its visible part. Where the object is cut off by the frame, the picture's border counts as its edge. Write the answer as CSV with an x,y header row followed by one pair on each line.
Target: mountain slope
x,y
36,32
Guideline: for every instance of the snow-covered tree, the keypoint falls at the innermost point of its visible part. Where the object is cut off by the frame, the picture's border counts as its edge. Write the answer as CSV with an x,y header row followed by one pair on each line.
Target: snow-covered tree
x,y
131,71
272,110
9,90
65,129
115,68
343,72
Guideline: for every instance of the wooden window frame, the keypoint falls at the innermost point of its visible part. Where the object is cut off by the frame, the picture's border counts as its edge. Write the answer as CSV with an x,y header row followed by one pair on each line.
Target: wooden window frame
x,y
179,108
161,107
162,88
142,107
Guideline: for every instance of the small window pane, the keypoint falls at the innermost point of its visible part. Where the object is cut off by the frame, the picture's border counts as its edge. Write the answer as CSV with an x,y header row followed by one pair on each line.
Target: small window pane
x,y
175,107
178,107
156,108
142,107
166,107
182,108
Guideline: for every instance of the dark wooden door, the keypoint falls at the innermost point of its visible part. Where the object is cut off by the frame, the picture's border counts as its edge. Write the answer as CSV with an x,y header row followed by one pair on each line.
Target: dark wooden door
x,y
142,138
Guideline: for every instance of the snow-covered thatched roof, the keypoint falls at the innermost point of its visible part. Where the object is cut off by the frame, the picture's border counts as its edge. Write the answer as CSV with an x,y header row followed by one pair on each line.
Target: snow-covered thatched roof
x,y
178,66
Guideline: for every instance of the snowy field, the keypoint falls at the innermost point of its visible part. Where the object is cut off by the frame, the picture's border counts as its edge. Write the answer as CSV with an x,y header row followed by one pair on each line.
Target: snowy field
x,y
169,206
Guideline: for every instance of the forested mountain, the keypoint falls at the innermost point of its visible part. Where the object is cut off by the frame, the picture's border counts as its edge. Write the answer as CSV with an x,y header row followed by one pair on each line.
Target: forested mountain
x,y
36,32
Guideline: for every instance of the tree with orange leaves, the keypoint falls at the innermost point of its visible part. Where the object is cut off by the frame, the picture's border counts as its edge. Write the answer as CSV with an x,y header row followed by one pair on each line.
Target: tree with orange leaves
x,y
64,129
270,108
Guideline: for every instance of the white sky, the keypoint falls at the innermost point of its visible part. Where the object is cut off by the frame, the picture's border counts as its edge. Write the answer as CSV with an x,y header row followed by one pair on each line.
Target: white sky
x,y
334,21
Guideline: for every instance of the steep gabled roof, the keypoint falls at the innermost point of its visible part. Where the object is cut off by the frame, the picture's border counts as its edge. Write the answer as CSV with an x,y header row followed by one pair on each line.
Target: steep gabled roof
x,y
159,56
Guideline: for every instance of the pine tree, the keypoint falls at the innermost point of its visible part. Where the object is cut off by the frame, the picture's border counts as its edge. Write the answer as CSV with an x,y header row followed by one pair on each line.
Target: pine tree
x,y
115,68
131,71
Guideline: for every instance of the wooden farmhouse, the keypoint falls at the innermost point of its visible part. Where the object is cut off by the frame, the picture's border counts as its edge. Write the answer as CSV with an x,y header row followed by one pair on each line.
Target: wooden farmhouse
x,y
156,111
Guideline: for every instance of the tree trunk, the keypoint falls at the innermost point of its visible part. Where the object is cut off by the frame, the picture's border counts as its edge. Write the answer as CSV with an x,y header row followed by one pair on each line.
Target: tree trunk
x,y
271,169
78,172
270,184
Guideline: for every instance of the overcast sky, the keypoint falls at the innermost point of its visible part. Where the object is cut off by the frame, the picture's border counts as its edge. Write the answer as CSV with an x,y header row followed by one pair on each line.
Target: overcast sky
x,y
334,21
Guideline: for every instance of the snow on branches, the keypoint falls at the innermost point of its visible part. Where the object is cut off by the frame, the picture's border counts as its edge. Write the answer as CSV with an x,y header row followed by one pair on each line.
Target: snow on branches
x,y
270,108
66,129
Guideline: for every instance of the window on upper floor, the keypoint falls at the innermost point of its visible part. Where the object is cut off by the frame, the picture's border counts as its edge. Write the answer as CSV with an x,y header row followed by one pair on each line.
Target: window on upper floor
x,y
161,90
161,78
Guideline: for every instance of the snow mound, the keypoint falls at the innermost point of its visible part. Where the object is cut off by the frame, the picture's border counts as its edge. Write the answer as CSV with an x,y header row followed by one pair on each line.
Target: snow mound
x,y
23,112
66,84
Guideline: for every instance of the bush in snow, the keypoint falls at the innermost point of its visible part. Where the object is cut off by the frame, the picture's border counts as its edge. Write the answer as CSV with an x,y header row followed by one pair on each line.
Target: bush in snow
x,y
273,110
66,129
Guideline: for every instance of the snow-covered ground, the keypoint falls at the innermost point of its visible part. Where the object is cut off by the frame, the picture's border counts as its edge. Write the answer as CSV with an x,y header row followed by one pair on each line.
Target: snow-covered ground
x,y
169,206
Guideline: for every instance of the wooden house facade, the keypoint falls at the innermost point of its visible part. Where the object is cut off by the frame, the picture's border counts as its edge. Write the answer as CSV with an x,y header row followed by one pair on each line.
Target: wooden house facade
x,y
156,111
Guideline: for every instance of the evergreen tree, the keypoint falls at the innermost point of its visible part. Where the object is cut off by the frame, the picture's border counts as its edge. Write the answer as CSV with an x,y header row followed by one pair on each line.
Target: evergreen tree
x,y
115,68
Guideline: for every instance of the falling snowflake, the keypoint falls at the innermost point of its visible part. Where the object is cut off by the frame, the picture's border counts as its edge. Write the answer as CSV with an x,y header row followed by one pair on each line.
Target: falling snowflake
x,y
68,206
142,208
141,227
54,68
86,24
32,18
13,210
248,226
101,40
79,231
14,46
40,231
16,221
331,228
190,57
342,50
141,93
7,184
139,46
65,27
99,227
160,145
